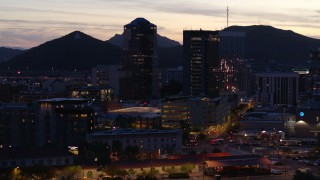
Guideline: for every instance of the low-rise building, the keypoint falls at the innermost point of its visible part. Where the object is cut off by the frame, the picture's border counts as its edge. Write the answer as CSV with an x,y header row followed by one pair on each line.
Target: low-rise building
x,y
13,158
18,125
64,122
148,140
137,117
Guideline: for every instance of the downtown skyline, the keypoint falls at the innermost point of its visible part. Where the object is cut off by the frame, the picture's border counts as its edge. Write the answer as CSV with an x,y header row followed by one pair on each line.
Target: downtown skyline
x,y
30,23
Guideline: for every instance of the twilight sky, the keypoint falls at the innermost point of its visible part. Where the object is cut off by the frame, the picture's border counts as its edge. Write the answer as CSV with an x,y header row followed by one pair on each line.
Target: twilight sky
x,y
28,23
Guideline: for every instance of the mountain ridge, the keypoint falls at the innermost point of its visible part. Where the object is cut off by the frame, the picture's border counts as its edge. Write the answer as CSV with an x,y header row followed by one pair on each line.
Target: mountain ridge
x,y
75,50
163,41
270,44
78,50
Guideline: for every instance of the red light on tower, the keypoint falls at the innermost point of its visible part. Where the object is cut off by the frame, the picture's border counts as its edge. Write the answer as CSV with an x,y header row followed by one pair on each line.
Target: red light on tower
x,y
19,72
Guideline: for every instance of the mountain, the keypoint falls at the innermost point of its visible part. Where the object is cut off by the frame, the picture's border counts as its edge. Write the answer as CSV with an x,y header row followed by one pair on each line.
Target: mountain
x,y
8,53
72,51
81,51
163,41
269,44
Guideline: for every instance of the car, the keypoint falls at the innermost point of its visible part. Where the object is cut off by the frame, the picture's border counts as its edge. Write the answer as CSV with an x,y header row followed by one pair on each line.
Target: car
x,y
304,170
217,141
276,171
274,162
310,163
316,163
295,158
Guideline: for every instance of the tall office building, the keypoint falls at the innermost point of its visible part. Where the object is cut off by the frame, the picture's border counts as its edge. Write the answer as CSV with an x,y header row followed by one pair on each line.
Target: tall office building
x,y
214,62
140,61
200,57
232,62
277,89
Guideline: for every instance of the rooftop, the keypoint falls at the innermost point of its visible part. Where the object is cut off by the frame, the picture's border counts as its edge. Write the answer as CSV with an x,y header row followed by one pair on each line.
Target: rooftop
x,y
27,153
63,99
128,131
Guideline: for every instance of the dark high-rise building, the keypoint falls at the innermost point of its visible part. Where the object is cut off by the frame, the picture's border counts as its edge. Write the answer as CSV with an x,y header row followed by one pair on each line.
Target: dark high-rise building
x,y
140,61
214,63
232,69
200,57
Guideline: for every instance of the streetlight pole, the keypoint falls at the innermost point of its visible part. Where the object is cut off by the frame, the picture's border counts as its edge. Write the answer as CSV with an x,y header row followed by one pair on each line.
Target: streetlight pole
x,y
203,166
82,171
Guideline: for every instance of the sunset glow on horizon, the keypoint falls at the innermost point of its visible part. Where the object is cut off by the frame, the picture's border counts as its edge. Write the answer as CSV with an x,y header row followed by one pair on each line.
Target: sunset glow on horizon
x,y
32,22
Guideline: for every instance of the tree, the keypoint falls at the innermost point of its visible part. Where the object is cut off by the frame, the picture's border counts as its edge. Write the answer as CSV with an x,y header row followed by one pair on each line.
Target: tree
x,y
16,174
186,168
113,171
303,175
110,170
101,153
70,172
131,172
40,172
202,136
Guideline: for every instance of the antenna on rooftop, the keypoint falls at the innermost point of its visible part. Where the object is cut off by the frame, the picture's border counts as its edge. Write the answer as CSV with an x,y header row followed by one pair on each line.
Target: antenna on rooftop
x,y
227,16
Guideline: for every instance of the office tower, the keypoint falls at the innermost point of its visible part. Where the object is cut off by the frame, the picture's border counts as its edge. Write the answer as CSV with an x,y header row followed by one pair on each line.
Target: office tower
x,y
277,89
214,63
232,70
140,61
200,57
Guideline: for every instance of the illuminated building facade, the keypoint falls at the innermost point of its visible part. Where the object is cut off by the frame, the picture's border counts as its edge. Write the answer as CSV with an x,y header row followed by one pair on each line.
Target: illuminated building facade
x,y
137,117
277,89
64,122
140,61
179,111
94,93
